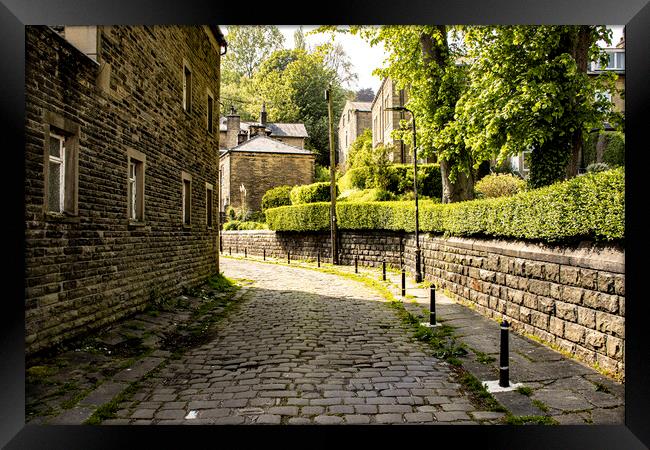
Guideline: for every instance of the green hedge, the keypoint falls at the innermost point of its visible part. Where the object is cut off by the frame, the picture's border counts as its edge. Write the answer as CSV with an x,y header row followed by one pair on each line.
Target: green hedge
x,y
588,206
400,179
613,151
278,196
311,193
249,225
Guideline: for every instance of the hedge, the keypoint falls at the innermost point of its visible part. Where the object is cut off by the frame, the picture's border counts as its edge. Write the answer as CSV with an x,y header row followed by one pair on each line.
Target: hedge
x,y
249,225
588,206
277,196
613,148
400,179
311,193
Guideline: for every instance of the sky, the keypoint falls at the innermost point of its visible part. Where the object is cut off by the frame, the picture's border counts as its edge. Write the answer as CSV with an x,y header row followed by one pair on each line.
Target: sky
x,y
365,58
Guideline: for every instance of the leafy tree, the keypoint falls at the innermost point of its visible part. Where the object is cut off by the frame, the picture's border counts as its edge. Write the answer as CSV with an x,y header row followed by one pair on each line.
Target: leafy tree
x,y
529,89
364,95
299,39
375,160
248,46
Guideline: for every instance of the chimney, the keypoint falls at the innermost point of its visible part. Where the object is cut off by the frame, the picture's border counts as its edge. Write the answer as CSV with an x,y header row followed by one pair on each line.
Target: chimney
x,y
255,129
263,114
232,129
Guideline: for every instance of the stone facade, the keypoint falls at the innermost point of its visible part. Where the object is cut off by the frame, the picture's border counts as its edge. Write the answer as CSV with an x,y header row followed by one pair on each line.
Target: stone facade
x,y
355,118
259,172
572,298
384,122
95,263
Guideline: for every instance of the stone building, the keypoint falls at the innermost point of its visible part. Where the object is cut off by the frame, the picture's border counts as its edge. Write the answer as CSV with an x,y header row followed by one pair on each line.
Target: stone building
x,y
121,171
355,118
259,164
385,121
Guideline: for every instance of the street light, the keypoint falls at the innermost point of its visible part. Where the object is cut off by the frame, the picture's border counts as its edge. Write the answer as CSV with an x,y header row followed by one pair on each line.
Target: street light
x,y
418,271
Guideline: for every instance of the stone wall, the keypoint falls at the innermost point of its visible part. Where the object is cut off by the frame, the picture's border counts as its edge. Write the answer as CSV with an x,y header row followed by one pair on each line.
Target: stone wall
x,y
93,267
572,298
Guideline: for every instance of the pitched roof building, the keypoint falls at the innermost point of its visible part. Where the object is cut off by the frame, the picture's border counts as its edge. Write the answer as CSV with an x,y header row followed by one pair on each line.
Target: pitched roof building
x,y
355,118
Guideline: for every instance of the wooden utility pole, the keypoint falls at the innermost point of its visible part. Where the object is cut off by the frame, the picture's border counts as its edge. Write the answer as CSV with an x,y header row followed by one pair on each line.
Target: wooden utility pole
x,y
333,233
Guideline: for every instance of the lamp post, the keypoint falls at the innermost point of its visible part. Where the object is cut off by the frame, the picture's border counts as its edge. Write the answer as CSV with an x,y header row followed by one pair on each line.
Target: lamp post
x,y
418,271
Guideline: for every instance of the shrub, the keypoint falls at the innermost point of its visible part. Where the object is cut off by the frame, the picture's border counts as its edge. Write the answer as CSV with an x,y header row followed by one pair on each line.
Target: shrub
x,y
249,225
278,196
499,185
311,193
429,179
321,174
354,179
368,195
597,167
590,206
613,148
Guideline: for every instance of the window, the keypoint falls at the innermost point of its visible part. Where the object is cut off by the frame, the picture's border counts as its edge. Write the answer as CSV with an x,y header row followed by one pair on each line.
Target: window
x,y
56,178
60,166
525,161
209,197
187,88
616,61
186,198
210,108
135,185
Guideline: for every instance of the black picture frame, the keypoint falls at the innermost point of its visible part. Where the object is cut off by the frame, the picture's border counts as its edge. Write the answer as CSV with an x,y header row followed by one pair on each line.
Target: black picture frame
x,y
15,14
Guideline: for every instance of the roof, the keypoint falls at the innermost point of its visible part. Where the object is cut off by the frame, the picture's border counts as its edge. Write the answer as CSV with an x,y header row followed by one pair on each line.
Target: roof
x,y
277,129
265,144
360,106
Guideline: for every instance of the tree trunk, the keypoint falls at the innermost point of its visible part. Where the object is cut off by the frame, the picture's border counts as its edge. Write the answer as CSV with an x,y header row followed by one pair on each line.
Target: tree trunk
x,y
462,189
579,52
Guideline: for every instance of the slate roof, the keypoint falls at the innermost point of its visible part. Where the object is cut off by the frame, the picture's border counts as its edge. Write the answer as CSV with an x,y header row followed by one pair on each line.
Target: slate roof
x,y
277,129
265,144
361,106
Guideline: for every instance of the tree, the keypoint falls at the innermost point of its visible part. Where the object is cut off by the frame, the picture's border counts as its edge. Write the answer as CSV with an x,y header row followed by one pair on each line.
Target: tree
x,y
292,83
529,90
299,39
364,95
248,46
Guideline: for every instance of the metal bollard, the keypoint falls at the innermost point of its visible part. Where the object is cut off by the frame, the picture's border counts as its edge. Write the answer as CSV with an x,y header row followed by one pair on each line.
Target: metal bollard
x,y
245,252
288,257
403,282
236,249
356,264
504,369
383,270
230,250
432,306
264,254
318,258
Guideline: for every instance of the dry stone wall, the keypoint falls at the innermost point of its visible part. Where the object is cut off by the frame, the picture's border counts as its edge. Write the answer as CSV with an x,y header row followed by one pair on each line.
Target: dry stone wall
x,y
572,298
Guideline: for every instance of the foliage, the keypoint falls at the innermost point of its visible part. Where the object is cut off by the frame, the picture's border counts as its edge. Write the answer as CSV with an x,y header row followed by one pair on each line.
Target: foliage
x,y
321,174
499,185
364,95
359,150
277,196
248,225
597,167
613,148
354,179
589,206
311,193
528,89
429,180
248,46
367,195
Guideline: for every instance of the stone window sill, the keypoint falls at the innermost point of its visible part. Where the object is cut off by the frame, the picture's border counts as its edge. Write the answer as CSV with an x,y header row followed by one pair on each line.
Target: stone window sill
x,y
134,224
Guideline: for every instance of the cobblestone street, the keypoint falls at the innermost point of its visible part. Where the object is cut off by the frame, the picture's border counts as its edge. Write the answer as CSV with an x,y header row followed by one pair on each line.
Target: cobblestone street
x,y
304,347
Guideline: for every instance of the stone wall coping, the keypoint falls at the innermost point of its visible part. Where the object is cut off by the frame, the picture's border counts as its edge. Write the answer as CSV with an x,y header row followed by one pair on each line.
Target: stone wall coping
x,y
589,255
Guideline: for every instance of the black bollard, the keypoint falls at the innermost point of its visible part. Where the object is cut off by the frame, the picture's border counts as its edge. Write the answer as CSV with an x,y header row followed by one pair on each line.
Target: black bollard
x,y
236,249
245,252
318,258
288,257
230,250
383,270
403,282
504,369
432,307
264,254
356,264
